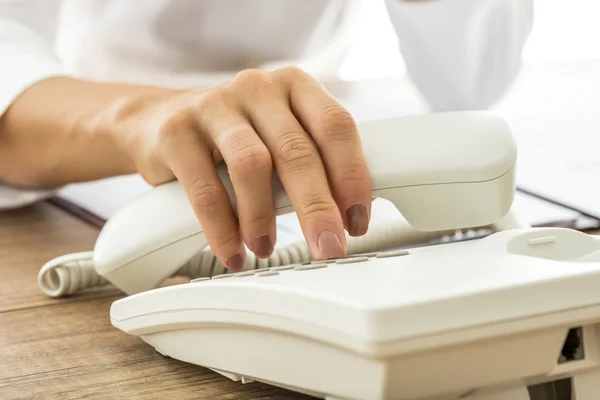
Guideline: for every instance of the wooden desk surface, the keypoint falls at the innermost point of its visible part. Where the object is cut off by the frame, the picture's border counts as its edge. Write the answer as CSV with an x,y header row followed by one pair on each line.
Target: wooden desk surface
x,y
67,348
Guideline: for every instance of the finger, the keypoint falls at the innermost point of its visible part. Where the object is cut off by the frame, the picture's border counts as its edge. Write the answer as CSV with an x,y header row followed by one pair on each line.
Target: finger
x,y
335,132
251,171
296,161
188,156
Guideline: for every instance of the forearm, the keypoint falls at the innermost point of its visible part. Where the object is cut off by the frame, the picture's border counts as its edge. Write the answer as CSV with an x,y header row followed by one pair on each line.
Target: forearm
x,y
49,124
62,130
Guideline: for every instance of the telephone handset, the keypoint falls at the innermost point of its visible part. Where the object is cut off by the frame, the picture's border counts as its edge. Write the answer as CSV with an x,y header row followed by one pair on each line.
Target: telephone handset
x,y
443,172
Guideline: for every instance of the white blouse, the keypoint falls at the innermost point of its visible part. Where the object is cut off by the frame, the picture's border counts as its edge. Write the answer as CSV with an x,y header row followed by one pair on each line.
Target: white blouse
x,y
459,53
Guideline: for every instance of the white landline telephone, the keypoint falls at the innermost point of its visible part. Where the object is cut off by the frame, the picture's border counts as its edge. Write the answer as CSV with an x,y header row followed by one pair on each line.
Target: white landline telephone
x,y
481,319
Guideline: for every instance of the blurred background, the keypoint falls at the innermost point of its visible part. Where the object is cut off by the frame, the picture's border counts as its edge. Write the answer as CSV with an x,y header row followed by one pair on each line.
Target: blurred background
x,y
563,31
552,105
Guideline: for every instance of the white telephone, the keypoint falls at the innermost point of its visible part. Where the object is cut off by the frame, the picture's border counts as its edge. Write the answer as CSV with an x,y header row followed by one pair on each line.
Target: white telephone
x,y
484,319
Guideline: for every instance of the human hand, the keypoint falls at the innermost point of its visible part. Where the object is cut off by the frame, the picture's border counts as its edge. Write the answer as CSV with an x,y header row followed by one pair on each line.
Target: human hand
x,y
257,123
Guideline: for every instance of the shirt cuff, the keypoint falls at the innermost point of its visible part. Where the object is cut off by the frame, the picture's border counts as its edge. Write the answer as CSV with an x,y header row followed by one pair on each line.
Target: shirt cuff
x,y
26,60
13,198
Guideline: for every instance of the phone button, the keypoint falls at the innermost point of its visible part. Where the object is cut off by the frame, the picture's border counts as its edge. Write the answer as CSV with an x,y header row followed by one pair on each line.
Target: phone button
x,y
223,276
267,273
284,267
244,273
541,240
393,253
200,279
310,266
351,260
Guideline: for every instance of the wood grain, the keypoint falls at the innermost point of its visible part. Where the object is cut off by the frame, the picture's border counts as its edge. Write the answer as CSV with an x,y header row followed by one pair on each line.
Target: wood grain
x,y
67,348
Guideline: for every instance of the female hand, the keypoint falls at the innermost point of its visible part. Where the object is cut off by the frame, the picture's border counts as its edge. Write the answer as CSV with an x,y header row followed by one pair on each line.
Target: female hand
x,y
257,123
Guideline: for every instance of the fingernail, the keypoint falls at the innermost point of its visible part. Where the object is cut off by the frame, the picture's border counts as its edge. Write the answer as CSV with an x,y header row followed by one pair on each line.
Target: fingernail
x,y
236,263
357,220
330,246
262,246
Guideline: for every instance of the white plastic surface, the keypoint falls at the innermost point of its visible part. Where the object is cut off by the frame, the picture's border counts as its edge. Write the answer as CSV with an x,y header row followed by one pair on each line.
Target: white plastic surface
x,y
442,171
449,287
470,315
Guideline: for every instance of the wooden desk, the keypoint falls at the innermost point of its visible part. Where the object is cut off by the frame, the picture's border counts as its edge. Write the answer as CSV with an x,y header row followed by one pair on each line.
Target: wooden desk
x,y
67,348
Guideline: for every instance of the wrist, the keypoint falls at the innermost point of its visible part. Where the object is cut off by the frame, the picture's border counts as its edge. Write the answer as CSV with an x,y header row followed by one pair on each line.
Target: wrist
x,y
90,133
61,130
124,120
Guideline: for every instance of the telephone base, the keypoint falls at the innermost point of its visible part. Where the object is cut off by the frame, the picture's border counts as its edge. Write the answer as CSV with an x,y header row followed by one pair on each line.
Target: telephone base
x,y
482,320
504,368
584,386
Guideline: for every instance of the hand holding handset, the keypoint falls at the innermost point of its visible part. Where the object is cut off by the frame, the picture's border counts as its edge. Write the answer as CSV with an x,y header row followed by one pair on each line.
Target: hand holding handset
x,y
442,171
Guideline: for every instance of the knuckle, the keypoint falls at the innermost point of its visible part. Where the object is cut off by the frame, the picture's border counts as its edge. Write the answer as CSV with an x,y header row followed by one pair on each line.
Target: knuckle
x,y
354,171
337,123
317,206
252,80
173,127
251,74
205,195
259,216
250,159
225,238
205,106
209,100
293,72
295,148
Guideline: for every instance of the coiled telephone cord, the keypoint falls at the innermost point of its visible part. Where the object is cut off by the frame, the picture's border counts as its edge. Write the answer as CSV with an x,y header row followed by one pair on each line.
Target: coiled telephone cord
x,y
73,273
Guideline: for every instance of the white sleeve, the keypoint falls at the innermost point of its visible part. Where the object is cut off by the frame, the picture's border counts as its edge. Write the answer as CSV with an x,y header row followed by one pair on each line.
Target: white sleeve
x,y
461,54
12,198
25,58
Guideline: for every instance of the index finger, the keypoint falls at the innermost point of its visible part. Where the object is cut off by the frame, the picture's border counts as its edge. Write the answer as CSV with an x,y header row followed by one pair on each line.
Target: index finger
x,y
191,162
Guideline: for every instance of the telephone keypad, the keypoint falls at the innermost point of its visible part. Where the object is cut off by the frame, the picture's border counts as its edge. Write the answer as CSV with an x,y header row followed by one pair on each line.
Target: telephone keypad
x,y
309,265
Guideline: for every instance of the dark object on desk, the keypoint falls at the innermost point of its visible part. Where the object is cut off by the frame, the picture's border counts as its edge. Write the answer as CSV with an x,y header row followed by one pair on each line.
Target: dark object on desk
x,y
573,349
77,211
558,390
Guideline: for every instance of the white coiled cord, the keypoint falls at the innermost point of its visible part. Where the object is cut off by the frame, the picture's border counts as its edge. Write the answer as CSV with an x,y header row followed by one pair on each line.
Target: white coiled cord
x,y
70,274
